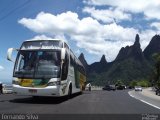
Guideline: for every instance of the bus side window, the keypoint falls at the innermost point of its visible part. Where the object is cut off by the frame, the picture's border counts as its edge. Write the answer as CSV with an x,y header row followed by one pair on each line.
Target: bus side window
x,y
65,67
71,61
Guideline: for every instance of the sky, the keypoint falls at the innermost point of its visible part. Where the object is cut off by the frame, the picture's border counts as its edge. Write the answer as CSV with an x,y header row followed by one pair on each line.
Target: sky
x,y
94,27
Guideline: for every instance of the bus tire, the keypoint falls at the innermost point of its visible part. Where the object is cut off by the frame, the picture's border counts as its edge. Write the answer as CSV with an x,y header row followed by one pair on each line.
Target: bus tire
x,y
70,91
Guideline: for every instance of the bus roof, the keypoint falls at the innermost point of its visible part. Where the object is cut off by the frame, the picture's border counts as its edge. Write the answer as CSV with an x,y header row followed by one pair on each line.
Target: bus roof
x,y
44,40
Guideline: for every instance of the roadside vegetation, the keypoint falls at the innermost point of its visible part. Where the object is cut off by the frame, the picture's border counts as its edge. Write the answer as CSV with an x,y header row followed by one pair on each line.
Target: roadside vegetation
x,y
156,72
143,83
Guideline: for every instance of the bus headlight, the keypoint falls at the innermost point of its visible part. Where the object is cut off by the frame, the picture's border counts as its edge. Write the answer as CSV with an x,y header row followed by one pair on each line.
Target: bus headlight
x,y
15,82
53,83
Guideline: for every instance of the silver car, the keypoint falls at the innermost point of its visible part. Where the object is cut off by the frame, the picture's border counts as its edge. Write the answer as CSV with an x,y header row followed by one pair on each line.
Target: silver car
x,y
7,89
138,88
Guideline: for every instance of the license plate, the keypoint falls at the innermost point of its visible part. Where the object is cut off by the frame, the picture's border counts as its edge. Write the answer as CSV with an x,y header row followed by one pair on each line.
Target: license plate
x,y
32,90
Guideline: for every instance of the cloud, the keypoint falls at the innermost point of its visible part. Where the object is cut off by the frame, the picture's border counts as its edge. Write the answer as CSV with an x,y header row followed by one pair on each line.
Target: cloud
x,y
48,23
69,23
41,37
44,37
88,33
78,52
156,25
150,8
108,15
1,68
146,36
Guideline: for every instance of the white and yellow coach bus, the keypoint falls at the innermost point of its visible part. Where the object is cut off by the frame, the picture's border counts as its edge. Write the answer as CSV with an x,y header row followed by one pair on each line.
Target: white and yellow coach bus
x,y
46,68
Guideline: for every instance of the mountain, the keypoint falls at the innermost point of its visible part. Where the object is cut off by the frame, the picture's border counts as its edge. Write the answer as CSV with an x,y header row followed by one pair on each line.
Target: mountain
x,y
133,51
130,64
83,61
153,47
103,60
98,67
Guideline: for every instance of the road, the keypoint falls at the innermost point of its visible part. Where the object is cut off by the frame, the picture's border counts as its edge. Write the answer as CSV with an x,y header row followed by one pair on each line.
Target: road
x,y
94,102
147,96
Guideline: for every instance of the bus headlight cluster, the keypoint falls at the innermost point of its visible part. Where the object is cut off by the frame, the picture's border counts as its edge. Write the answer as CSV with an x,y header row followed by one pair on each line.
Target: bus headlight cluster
x,y
53,83
15,82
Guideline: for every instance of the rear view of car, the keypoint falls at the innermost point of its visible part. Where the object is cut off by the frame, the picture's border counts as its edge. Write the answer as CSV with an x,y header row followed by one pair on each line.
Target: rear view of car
x,y
138,88
109,87
121,87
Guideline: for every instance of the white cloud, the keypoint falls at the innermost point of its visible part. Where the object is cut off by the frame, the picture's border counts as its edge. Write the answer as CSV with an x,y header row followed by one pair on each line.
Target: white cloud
x,y
150,8
146,37
88,33
48,23
41,37
108,15
77,52
1,68
44,37
156,25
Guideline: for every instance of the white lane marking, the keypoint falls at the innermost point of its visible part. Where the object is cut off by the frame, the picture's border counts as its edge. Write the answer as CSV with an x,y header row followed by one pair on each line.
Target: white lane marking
x,y
150,104
131,95
143,101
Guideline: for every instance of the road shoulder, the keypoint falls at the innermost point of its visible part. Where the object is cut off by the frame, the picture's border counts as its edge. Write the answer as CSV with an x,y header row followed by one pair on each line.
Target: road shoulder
x,y
146,96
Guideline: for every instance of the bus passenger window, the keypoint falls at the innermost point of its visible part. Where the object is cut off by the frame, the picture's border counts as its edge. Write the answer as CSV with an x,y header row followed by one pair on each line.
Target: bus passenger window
x,y
65,67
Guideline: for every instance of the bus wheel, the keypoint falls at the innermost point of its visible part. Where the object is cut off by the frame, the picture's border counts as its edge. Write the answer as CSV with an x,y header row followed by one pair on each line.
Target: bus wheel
x,y
70,91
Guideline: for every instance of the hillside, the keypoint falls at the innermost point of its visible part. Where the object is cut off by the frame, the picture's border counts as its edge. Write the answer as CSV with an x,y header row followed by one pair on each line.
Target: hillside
x,y
153,47
130,64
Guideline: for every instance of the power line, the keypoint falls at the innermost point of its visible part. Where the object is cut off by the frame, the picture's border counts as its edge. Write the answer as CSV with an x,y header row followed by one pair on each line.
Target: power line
x,y
5,8
14,10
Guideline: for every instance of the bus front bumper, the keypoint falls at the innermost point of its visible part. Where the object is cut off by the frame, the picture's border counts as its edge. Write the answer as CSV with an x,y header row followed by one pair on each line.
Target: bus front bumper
x,y
31,91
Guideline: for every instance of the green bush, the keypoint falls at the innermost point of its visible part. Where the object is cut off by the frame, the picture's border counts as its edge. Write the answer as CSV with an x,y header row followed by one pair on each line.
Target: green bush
x,y
143,83
133,83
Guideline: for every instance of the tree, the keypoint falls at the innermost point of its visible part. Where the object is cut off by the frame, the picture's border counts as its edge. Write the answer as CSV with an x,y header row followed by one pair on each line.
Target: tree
x,y
156,72
119,83
133,83
143,83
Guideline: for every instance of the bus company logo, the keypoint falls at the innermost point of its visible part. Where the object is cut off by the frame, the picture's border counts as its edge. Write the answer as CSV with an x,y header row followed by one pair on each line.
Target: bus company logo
x,y
149,117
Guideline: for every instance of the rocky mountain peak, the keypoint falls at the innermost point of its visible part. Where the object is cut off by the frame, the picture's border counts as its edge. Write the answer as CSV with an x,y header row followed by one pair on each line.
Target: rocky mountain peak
x,y
83,60
137,43
81,56
133,51
153,47
103,60
130,64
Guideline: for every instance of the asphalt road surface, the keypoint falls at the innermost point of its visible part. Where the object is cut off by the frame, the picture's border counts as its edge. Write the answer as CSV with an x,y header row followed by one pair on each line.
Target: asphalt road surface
x,y
94,102
147,96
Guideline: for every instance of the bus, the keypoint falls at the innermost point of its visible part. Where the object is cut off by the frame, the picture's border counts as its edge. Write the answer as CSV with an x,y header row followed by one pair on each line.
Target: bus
x,y
46,68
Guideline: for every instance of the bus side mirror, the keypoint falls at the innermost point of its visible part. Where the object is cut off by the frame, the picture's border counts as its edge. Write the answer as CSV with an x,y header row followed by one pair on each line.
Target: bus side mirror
x,y
9,54
63,51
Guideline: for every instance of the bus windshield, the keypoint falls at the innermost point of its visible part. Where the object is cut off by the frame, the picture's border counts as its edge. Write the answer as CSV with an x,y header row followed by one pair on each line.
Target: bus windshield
x,y
37,64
